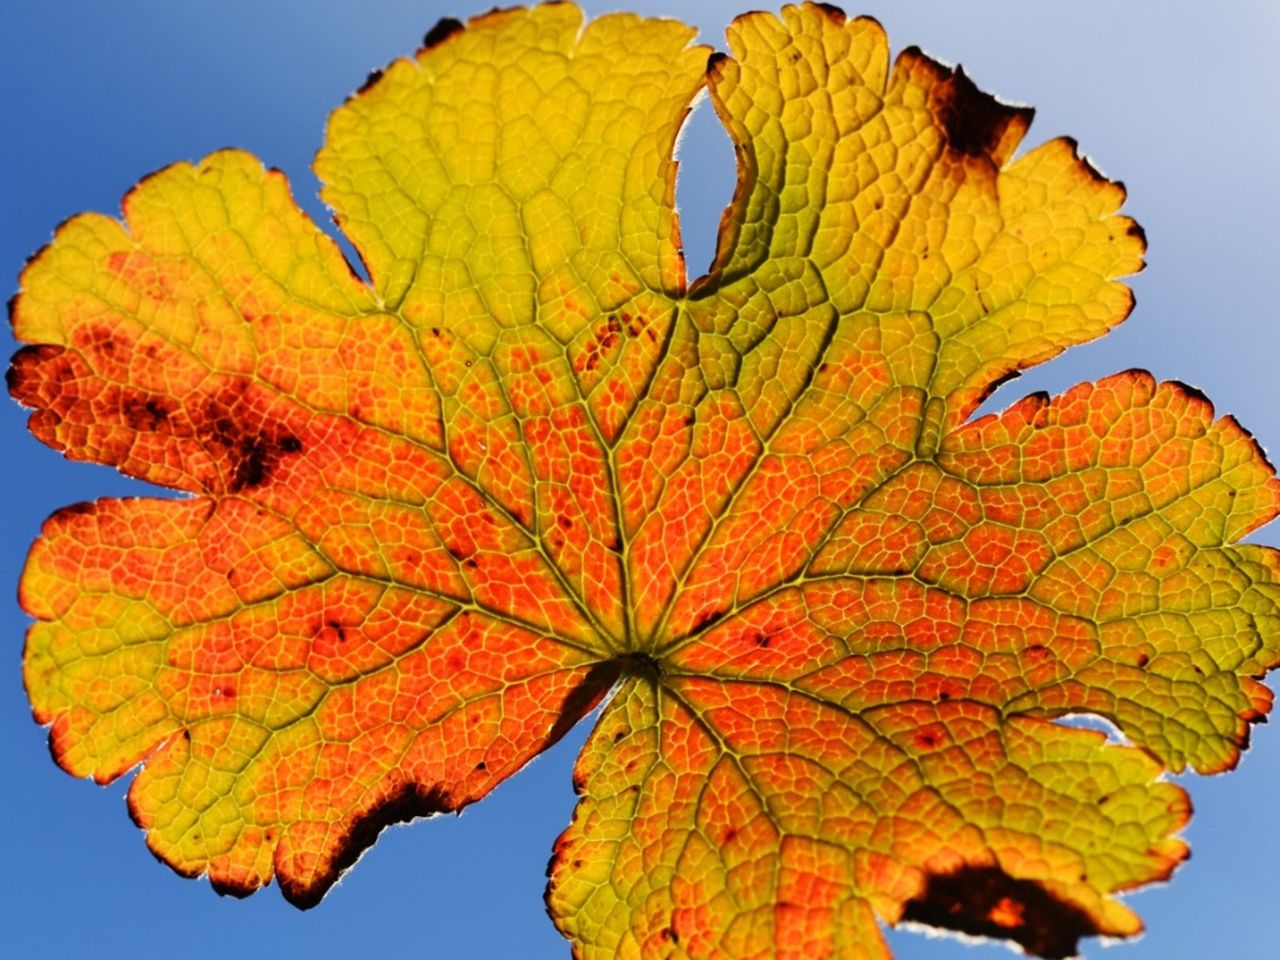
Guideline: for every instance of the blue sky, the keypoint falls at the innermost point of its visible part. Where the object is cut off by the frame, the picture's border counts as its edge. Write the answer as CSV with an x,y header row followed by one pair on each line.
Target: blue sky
x,y
95,94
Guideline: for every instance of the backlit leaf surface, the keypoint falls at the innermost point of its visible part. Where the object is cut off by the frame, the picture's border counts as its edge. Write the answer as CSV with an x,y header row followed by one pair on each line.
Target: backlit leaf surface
x,y
435,519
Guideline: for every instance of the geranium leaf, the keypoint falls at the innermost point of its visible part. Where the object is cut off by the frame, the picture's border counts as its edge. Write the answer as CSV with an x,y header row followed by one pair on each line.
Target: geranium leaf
x,y
438,517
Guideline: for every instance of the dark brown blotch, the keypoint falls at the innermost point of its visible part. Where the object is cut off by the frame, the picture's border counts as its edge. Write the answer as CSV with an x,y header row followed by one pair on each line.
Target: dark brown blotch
x,y
24,377
407,803
976,122
987,902
445,28
253,453
147,413
254,460
603,340
63,514
832,11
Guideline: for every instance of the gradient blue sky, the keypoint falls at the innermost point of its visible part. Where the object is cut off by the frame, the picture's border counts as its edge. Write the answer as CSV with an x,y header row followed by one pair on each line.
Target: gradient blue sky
x,y
1180,105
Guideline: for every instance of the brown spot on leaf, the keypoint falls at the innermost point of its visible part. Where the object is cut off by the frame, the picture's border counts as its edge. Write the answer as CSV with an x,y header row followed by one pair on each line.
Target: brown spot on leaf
x,y
252,464
987,902
974,123
407,803
23,377
145,413
252,451
602,341
445,28
636,323
373,77
62,514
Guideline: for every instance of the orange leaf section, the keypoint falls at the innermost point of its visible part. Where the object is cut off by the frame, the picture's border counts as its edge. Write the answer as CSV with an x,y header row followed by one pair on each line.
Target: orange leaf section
x,y
285,710
436,517
871,737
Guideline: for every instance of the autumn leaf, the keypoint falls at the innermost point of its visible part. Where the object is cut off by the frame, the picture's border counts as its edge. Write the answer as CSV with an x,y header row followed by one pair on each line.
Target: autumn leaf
x,y
435,519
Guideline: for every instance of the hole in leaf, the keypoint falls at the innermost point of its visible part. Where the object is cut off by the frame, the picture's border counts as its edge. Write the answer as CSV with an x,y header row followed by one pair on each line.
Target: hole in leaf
x,y
1093,721
704,184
